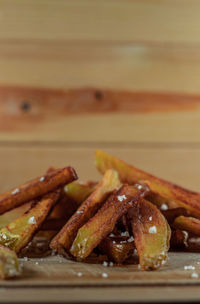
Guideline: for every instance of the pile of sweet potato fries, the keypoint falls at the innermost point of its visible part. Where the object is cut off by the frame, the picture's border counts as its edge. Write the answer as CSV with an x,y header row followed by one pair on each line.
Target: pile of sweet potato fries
x,y
128,213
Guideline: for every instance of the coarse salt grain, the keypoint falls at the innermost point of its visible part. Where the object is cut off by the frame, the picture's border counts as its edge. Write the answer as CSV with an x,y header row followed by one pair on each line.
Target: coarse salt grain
x,y
153,229
79,274
194,275
189,267
42,178
164,207
111,264
139,186
125,233
79,211
111,234
121,197
15,191
131,239
105,263
104,275
32,220
150,218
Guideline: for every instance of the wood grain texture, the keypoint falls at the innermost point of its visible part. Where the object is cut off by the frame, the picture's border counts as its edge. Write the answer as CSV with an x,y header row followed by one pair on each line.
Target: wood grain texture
x,y
147,20
62,65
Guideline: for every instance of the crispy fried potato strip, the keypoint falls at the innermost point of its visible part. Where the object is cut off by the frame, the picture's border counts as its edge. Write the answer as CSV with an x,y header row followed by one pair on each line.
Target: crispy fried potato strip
x,y
129,174
151,233
18,233
9,266
78,192
11,215
65,238
171,214
117,249
179,239
98,227
189,224
35,188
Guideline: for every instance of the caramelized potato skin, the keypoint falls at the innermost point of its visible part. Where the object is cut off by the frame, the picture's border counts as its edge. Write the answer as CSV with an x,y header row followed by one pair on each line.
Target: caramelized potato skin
x,y
164,189
36,188
189,224
64,239
103,222
151,234
18,233
117,249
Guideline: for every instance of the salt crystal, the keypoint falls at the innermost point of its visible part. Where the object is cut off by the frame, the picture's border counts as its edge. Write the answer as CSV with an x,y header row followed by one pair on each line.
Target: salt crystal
x,y
111,264
79,211
111,234
164,207
32,220
36,263
121,197
189,267
25,259
15,191
79,274
42,178
105,263
125,233
104,275
150,218
153,230
131,239
194,275
139,186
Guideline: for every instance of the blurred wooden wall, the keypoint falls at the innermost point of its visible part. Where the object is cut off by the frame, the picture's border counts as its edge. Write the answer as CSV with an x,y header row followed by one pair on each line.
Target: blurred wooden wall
x,y
121,75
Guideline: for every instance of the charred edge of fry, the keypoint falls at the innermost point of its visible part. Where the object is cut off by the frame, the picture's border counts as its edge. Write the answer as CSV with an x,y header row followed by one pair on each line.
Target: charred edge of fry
x,y
35,188
18,233
64,239
117,249
103,223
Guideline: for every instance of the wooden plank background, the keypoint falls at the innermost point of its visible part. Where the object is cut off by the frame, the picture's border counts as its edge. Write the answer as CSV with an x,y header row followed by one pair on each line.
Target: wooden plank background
x,y
119,75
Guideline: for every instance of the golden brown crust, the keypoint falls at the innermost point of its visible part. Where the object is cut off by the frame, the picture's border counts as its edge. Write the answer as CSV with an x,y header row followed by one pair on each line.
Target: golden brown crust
x,y
36,187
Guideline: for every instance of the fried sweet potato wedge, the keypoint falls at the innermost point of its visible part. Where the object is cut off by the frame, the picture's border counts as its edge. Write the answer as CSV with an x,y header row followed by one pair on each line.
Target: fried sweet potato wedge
x,y
129,174
151,234
189,224
98,227
78,192
35,188
18,233
9,266
64,239
117,249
